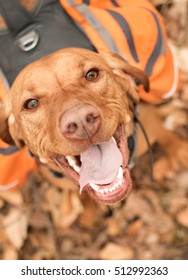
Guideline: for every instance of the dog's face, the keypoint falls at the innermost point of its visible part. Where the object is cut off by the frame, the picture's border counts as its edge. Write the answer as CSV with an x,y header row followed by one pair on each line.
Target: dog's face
x,y
71,109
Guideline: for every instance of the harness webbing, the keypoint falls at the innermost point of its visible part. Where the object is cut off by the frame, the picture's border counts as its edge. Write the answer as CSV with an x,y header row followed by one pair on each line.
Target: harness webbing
x,y
9,150
127,32
159,48
97,26
15,16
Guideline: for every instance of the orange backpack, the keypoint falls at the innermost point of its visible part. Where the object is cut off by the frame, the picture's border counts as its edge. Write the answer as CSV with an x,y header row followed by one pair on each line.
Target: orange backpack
x,y
131,28
135,30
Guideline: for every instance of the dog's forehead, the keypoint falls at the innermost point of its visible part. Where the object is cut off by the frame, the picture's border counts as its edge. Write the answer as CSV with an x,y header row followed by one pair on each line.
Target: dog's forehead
x,y
64,65
64,60
76,58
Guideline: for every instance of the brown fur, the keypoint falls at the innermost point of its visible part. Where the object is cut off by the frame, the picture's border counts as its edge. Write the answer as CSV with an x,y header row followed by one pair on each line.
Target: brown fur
x,y
54,79
58,81
61,90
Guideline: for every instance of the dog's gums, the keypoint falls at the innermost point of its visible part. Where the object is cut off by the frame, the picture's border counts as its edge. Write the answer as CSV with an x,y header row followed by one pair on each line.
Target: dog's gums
x,y
109,186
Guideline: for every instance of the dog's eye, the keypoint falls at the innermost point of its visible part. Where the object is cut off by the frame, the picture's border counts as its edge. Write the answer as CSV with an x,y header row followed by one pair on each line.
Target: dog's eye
x,y
31,103
92,74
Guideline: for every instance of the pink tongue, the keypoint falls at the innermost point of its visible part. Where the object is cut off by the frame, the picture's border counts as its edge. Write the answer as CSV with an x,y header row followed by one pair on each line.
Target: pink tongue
x,y
100,164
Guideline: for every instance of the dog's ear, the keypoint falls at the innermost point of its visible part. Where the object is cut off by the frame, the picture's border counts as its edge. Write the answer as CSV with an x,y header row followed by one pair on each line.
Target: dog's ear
x,y
5,113
125,71
9,131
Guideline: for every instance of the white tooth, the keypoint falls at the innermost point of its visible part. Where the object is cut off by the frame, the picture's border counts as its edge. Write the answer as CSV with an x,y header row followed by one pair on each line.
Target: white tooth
x,y
95,187
120,173
113,139
119,184
110,190
101,191
116,185
71,160
43,160
113,188
76,168
106,190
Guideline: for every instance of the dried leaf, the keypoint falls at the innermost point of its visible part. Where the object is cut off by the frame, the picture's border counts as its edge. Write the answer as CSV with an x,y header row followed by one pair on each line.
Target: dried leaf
x,y
43,240
114,251
183,58
182,182
113,227
71,208
15,225
10,253
134,228
182,217
39,219
2,203
12,197
65,206
91,214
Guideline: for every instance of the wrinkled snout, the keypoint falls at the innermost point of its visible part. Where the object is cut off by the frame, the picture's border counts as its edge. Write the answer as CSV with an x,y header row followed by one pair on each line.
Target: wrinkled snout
x,y
80,122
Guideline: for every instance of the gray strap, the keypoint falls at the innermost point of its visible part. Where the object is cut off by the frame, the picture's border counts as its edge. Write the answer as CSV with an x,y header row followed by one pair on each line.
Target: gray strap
x,y
159,48
115,3
127,32
15,16
8,151
93,21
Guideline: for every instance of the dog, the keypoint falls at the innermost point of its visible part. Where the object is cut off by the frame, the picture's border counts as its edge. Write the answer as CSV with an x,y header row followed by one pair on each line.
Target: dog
x,y
80,119
74,110
77,119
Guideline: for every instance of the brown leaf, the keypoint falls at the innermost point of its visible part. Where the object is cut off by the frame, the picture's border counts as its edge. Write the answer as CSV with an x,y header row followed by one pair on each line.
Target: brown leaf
x,y
155,251
39,219
176,119
43,254
10,253
134,228
113,227
162,169
114,251
182,182
2,203
177,203
65,207
12,197
71,208
183,58
43,241
92,212
15,225
182,217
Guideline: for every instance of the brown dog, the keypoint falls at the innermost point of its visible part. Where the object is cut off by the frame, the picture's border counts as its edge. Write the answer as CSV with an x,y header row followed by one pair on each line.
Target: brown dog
x,y
73,109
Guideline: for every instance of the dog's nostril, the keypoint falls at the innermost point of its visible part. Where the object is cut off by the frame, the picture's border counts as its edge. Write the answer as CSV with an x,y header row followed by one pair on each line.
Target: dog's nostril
x,y
80,122
90,118
72,127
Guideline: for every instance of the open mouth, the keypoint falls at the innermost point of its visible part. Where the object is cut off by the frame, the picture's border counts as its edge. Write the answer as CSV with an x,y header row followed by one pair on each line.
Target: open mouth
x,y
102,169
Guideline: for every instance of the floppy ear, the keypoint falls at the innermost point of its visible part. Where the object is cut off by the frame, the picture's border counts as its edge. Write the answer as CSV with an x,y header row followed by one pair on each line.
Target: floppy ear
x,y
5,112
125,71
9,130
